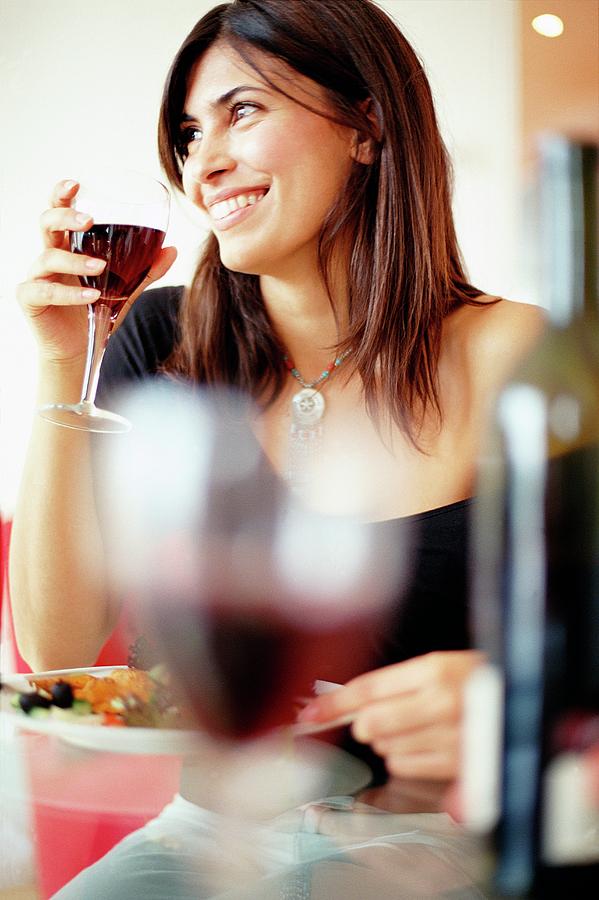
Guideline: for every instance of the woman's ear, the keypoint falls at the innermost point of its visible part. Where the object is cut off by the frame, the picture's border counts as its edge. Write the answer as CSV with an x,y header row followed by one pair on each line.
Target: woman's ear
x,y
363,149
364,144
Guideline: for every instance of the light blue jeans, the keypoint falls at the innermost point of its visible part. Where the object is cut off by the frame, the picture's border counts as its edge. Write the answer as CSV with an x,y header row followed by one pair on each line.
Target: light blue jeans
x,y
333,848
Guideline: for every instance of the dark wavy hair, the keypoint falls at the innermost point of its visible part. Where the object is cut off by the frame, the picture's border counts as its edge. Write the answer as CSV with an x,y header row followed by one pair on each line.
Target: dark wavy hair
x,y
405,272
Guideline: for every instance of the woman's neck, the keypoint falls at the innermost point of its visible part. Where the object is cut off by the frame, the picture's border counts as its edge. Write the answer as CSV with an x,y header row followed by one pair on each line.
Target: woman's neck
x,y
307,321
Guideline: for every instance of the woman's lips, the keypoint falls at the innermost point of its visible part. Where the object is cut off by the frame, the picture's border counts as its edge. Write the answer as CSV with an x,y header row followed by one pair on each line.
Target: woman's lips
x,y
232,210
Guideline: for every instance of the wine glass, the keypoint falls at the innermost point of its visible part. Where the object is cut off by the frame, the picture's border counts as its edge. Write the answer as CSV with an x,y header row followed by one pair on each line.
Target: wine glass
x,y
249,595
130,216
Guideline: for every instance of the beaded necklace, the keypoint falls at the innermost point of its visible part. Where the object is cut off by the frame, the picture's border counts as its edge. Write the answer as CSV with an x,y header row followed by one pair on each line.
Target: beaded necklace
x,y
307,410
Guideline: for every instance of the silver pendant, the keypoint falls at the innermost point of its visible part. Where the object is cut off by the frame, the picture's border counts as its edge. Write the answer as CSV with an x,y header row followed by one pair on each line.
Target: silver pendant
x,y
307,407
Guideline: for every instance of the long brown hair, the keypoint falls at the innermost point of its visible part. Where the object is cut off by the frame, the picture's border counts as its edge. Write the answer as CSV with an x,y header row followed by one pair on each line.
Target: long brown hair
x,y
405,272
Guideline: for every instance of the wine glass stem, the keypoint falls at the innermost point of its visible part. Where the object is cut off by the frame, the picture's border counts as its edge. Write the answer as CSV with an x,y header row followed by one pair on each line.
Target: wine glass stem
x,y
99,325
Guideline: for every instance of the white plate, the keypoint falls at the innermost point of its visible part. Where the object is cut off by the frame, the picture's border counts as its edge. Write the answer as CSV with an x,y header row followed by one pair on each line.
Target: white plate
x,y
154,741
116,739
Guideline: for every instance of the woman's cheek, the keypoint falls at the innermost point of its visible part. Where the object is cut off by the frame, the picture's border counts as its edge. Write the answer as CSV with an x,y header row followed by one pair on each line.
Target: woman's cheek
x,y
265,150
191,186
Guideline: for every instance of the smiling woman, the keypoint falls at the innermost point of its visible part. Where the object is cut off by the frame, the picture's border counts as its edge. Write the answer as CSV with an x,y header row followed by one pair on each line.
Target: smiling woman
x,y
305,132
319,150
484,157
265,168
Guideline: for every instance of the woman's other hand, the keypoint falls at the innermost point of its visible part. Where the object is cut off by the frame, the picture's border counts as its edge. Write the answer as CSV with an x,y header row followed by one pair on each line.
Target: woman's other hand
x,y
52,297
410,713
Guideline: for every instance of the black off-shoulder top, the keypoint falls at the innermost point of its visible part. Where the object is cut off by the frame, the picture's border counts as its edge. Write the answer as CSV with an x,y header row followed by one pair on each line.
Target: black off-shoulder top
x,y
432,612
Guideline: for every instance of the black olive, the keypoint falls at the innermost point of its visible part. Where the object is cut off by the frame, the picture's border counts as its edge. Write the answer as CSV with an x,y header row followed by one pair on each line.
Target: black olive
x,y
28,701
62,694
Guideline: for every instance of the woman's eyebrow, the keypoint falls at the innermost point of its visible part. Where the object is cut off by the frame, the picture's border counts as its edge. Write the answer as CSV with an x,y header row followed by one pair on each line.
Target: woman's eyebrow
x,y
225,99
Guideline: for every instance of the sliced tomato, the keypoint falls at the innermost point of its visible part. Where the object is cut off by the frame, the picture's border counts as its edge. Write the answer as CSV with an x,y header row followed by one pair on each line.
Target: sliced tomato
x,y
109,718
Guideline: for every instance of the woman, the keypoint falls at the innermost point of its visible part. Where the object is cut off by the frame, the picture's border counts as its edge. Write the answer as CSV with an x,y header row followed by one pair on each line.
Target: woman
x,y
306,133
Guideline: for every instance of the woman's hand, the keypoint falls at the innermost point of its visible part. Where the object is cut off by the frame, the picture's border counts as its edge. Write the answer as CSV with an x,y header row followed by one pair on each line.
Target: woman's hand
x,y
52,297
410,713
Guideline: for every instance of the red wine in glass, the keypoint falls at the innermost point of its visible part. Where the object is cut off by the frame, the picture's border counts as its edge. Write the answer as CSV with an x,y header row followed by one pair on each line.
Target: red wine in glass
x,y
244,671
129,251
129,213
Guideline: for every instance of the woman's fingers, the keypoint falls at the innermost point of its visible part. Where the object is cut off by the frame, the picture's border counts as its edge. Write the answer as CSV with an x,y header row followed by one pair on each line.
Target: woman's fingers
x,y
42,290
56,221
162,264
63,192
61,217
403,713
54,261
406,678
421,740
160,267
436,765
428,752
41,294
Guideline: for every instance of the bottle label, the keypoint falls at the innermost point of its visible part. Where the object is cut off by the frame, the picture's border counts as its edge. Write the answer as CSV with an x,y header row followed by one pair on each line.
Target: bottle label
x,y
570,815
481,749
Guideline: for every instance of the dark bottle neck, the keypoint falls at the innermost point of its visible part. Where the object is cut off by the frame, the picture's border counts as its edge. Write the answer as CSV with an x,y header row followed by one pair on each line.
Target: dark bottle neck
x,y
568,193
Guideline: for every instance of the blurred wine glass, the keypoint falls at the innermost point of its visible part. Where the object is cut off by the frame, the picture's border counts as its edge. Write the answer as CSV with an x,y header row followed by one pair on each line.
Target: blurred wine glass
x,y
249,594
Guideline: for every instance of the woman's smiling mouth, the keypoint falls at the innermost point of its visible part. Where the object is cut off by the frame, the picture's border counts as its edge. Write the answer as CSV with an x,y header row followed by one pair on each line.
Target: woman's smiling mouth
x,y
227,211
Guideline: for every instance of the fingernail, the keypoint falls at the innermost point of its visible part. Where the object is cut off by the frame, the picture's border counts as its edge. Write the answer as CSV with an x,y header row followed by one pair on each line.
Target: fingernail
x,y
81,218
95,264
90,294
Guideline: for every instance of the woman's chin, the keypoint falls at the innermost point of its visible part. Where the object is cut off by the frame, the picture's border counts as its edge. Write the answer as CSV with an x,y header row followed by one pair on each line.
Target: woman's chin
x,y
263,261
244,263
239,259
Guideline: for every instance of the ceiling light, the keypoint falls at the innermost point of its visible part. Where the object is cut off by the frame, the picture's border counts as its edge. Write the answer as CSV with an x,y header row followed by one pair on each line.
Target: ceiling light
x,y
548,25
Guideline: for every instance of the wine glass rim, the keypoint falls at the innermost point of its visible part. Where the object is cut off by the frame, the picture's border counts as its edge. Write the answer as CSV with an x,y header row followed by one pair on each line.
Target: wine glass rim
x,y
100,173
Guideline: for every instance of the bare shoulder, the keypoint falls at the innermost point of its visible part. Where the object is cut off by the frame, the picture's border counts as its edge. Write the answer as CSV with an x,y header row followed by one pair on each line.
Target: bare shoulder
x,y
497,318
493,338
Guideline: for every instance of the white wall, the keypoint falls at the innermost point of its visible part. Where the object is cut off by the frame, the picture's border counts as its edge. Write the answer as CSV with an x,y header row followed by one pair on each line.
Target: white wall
x,y
83,82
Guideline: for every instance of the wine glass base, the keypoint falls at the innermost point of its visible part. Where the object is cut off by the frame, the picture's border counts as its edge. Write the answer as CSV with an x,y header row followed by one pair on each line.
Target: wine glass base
x,y
84,417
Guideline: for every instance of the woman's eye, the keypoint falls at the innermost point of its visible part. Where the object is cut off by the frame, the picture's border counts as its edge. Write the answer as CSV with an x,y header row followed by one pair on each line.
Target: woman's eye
x,y
189,135
242,110
192,134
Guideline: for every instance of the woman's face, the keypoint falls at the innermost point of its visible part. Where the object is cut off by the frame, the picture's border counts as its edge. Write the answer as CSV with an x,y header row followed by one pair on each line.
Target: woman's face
x,y
265,170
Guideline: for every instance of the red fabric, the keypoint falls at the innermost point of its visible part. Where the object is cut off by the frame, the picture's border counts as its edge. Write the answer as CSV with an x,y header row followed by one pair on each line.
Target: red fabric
x,y
116,649
83,806
84,803
113,653
15,662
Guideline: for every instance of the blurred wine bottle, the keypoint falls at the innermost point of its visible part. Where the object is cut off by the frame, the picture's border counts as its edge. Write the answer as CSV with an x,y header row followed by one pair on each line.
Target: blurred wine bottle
x,y
535,572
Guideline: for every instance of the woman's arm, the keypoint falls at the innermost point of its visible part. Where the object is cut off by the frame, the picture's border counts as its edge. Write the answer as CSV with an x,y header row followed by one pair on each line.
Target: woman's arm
x,y
61,608
59,602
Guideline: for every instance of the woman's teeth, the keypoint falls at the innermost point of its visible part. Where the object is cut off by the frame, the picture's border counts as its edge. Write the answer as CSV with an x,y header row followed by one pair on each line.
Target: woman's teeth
x,y
226,207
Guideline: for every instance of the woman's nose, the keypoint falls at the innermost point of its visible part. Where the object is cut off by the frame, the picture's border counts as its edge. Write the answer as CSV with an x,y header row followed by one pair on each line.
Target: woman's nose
x,y
211,159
